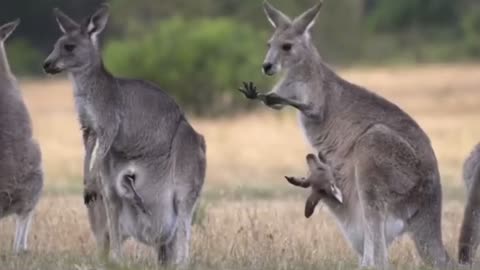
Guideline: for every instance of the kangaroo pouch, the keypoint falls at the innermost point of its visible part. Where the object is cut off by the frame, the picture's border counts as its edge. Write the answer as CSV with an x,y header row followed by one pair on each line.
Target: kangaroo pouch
x,y
152,228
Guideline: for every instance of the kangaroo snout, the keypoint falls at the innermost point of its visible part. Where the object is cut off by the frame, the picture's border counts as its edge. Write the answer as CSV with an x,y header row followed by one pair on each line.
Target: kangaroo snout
x,y
50,67
268,68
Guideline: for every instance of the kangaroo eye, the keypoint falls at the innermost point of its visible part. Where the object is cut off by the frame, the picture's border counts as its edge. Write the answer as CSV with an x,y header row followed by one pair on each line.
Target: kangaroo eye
x,y
269,45
287,47
69,47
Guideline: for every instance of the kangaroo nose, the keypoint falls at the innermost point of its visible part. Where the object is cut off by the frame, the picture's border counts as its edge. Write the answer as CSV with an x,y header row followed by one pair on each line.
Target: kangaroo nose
x,y
50,68
47,65
267,67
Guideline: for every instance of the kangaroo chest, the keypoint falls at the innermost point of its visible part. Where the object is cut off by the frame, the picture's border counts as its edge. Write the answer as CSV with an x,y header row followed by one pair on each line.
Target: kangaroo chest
x,y
91,106
83,106
321,135
85,113
311,130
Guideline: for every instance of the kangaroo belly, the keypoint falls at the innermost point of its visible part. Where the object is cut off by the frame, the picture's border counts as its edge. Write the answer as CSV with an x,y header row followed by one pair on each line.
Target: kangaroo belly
x,y
150,229
394,227
354,234
354,231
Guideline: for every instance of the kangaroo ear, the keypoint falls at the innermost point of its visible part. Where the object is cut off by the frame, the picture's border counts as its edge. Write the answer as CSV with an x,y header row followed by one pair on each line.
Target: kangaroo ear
x,y
127,190
311,203
126,187
298,182
304,22
312,162
336,193
97,22
7,29
322,158
275,16
64,22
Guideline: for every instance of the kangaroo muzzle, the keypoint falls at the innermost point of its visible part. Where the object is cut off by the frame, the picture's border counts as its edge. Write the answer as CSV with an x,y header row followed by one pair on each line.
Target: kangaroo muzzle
x,y
267,68
50,67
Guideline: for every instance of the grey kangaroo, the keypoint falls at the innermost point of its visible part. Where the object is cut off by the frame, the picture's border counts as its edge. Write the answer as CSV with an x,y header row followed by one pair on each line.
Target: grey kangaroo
x,y
385,167
21,180
143,159
470,230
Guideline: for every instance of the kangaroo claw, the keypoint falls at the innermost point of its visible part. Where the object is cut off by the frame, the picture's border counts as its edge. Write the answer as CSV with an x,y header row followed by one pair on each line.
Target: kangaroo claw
x,y
89,197
249,90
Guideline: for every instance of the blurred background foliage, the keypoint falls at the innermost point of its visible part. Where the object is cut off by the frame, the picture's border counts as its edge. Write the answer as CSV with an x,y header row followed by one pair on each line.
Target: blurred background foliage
x,y
199,51
201,59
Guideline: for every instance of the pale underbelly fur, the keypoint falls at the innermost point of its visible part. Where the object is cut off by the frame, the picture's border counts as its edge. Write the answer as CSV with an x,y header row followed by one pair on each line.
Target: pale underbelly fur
x,y
353,229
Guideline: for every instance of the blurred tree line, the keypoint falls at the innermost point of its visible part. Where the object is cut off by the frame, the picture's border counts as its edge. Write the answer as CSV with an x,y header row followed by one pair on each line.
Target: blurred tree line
x,y
200,50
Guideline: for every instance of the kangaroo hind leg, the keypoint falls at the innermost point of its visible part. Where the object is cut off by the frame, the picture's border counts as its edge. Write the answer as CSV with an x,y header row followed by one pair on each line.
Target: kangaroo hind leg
x,y
22,229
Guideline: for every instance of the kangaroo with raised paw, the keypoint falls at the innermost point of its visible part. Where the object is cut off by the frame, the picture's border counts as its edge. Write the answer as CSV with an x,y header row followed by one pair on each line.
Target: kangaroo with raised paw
x,y
382,161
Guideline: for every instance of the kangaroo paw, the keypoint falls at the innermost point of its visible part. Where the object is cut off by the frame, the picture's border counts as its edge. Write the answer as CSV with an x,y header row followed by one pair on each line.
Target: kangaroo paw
x,y
89,197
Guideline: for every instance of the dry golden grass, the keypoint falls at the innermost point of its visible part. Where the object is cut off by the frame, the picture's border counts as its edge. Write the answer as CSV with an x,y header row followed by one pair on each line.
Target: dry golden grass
x,y
250,218
263,234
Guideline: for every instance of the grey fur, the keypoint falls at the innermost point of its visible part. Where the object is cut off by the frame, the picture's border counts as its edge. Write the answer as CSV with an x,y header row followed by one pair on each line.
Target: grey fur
x,y
470,230
383,161
21,181
143,159
323,184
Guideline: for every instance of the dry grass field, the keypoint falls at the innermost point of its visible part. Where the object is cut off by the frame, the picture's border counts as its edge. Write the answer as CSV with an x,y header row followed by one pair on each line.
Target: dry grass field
x,y
249,217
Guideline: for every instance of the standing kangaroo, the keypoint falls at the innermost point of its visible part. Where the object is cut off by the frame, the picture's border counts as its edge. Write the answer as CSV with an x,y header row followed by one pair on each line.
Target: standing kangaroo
x,y
150,161
470,230
21,180
385,167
